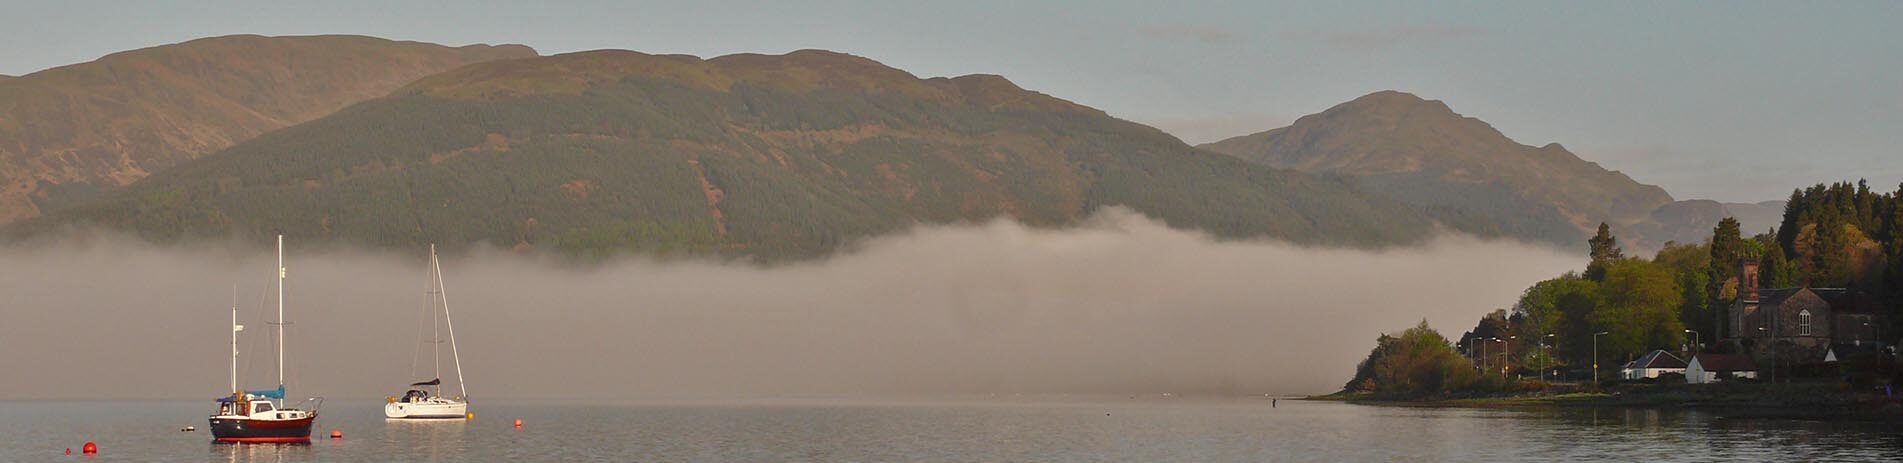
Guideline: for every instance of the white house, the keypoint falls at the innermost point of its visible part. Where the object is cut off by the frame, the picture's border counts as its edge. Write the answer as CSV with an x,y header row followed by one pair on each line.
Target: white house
x,y
1653,364
1711,368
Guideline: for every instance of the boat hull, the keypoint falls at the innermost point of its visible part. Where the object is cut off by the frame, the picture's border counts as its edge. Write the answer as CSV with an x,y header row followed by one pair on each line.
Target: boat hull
x,y
426,411
247,430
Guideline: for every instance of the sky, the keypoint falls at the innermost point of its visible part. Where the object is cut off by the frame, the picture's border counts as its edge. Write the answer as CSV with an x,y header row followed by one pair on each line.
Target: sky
x,y
1733,101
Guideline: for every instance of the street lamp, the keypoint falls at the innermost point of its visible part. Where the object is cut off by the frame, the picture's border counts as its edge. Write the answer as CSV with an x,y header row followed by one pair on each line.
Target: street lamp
x,y
1771,336
1595,357
1695,343
1506,357
1542,352
1483,353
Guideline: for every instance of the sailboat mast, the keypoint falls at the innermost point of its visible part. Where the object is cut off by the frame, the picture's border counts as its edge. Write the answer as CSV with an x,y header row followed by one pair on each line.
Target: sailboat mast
x,y
234,338
443,291
280,311
435,330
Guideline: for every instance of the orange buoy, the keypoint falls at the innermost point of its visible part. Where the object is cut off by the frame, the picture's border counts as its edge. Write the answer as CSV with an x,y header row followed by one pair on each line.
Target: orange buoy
x,y
518,422
335,434
90,448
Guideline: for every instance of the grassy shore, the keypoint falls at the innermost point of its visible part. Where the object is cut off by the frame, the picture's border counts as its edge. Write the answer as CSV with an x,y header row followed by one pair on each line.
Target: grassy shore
x,y
1798,400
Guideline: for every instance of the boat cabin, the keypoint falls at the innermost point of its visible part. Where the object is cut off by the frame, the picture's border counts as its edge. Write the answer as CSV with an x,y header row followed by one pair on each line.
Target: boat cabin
x,y
255,408
248,407
415,395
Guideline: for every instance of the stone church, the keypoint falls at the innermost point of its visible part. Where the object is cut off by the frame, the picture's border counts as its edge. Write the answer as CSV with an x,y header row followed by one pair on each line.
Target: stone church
x,y
1801,323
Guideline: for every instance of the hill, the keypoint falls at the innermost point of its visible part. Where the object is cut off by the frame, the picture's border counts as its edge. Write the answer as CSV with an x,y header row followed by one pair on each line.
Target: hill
x,y
1691,221
1459,170
71,132
755,156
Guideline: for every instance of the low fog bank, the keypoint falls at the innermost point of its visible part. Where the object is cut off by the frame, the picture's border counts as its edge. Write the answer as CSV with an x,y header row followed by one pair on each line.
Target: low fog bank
x,y
1122,304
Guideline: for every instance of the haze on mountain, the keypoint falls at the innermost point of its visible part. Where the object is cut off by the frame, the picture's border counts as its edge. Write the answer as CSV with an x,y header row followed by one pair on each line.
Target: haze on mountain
x,y
761,156
72,132
1462,172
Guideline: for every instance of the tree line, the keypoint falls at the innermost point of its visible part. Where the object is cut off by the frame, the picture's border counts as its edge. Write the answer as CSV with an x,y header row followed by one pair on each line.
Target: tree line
x,y
1839,235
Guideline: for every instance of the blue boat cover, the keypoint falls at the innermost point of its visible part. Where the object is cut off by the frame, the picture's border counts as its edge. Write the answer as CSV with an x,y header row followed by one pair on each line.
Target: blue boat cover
x,y
269,393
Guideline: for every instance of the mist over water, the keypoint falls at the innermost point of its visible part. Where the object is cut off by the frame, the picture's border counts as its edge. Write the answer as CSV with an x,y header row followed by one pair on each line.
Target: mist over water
x,y
1121,304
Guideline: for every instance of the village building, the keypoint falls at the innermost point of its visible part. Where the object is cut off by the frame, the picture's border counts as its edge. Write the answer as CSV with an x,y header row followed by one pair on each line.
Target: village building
x,y
1799,324
1711,368
1651,365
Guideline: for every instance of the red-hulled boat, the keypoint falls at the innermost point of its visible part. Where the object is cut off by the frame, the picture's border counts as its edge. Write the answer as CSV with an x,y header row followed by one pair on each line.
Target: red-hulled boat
x,y
250,418
262,416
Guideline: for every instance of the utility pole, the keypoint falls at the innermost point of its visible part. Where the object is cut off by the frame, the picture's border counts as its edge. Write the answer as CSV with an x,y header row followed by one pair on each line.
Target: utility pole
x,y
1595,357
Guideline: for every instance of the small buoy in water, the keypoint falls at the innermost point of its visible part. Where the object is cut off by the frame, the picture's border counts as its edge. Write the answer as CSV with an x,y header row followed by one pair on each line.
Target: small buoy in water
x,y
89,448
335,434
472,416
69,450
518,422
188,429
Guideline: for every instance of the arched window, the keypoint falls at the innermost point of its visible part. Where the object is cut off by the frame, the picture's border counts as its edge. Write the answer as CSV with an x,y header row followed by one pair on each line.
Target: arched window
x,y
1803,322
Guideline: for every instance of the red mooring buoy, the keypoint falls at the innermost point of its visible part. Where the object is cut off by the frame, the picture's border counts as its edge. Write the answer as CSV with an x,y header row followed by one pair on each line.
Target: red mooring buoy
x,y
518,422
335,434
90,448
69,450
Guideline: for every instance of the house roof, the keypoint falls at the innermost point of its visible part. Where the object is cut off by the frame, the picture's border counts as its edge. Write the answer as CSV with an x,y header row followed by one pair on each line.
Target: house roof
x,y
1657,359
1775,296
1840,299
1724,362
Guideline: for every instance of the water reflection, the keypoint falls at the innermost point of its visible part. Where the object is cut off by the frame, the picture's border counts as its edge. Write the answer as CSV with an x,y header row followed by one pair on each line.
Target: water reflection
x,y
427,439
235,452
1093,430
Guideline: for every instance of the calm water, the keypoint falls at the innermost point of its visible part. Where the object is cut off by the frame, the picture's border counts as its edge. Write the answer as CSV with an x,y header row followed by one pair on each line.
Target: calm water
x,y
990,430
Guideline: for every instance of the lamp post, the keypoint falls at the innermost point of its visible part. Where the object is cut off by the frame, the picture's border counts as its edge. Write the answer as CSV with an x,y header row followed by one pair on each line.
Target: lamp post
x,y
1695,344
1595,357
1542,353
1483,354
1771,336
1506,355
1470,353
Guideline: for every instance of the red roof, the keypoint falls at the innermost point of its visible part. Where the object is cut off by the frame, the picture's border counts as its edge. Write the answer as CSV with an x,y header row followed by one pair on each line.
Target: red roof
x,y
1724,362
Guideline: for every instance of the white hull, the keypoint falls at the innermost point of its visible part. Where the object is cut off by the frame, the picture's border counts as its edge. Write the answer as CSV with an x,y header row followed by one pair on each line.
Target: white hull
x,y
432,410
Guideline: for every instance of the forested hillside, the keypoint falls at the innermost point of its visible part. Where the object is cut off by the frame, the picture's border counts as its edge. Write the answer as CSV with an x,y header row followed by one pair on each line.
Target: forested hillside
x,y
69,133
754,156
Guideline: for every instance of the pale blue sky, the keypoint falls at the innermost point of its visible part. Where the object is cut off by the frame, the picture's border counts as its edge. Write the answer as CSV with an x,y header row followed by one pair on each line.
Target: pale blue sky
x,y
1735,101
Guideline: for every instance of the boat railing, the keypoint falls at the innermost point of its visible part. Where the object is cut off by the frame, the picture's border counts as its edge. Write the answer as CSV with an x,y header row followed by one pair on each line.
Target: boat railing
x,y
311,404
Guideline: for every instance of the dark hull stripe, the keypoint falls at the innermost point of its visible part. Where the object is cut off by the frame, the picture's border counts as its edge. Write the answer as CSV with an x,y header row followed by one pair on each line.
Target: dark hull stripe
x,y
246,430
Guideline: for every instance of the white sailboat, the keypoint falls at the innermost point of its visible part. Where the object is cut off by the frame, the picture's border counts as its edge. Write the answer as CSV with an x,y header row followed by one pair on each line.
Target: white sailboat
x,y
425,399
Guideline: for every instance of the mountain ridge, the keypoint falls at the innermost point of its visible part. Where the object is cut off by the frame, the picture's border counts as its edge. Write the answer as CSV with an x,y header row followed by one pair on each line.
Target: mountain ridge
x,y
1465,172
769,157
73,131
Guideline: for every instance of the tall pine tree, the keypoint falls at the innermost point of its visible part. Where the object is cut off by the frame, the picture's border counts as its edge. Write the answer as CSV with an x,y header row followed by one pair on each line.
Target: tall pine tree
x,y
1604,251
1727,251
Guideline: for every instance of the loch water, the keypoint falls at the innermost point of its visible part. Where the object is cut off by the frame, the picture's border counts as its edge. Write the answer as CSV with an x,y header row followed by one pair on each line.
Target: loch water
x,y
981,429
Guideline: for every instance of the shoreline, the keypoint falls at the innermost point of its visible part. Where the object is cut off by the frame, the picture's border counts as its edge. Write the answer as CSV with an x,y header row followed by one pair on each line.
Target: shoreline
x,y
1784,401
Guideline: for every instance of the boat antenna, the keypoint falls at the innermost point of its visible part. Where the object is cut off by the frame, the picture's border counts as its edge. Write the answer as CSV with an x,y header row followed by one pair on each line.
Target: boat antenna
x,y
444,293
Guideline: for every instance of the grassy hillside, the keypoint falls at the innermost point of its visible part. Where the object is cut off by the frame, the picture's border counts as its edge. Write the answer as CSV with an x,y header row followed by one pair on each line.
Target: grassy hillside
x,y
69,133
1458,169
768,157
